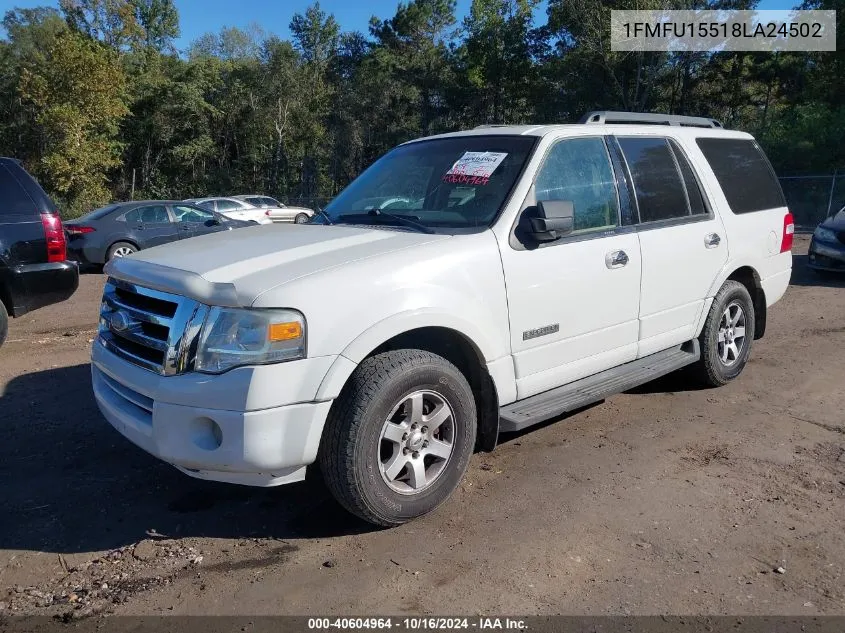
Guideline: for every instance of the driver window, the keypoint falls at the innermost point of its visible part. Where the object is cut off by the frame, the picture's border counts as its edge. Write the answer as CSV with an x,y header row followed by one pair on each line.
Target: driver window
x,y
579,170
192,214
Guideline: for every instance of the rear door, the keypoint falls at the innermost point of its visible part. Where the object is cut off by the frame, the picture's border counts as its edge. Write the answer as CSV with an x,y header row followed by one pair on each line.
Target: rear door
x,y
152,225
682,241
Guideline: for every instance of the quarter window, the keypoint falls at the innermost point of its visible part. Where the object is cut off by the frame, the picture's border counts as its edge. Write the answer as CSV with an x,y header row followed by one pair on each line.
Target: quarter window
x,y
657,180
15,200
744,173
579,170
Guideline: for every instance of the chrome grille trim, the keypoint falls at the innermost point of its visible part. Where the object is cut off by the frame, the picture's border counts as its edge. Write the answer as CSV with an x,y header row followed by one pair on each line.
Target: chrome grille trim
x,y
144,334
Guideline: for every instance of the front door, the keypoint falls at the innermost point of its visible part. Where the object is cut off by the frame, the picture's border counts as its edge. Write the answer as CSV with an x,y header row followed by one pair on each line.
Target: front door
x,y
682,241
194,221
573,303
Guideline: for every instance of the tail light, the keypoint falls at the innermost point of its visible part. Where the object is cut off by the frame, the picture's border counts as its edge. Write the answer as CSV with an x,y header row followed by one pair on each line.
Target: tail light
x,y
788,233
73,229
267,213
55,234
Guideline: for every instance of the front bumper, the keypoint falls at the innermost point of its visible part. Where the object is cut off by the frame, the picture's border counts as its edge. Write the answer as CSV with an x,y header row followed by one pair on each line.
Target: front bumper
x,y
825,256
186,420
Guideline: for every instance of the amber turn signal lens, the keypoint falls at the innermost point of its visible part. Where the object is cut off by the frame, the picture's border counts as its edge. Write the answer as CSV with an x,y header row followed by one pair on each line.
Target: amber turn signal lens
x,y
284,331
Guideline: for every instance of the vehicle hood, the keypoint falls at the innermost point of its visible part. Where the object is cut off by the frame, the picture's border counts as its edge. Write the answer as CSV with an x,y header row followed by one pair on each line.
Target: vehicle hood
x,y
836,222
232,268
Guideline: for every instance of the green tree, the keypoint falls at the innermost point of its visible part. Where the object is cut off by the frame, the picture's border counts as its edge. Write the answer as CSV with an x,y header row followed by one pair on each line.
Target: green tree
x,y
76,94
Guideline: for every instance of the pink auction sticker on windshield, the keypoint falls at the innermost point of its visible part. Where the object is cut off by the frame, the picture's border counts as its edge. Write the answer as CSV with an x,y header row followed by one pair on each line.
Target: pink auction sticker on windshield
x,y
474,168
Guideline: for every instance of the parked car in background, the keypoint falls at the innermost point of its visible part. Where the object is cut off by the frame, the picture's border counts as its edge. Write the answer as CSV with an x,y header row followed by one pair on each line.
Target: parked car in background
x,y
827,248
123,228
34,271
232,208
278,212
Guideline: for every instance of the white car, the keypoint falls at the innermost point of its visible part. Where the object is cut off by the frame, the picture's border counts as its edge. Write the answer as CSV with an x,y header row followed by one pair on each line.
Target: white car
x,y
386,345
278,212
232,208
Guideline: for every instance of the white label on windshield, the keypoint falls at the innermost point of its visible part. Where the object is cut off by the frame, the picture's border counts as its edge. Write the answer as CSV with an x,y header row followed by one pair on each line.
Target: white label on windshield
x,y
477,165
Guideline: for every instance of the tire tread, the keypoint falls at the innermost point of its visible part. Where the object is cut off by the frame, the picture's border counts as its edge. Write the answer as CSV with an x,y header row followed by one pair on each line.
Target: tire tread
x,y
336,457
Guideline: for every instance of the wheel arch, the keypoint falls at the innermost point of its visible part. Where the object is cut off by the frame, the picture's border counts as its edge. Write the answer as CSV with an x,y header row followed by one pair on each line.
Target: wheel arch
x,y
750,278
447,341
118,241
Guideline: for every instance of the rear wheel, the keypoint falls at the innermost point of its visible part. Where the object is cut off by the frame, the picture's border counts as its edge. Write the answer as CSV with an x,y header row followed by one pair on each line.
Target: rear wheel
x,y
399,439
4,323
727,335
301,218
121,249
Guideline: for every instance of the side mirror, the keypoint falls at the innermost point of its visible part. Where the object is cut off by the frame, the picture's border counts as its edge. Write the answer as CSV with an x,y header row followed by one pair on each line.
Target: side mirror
x,y
557,218
213,222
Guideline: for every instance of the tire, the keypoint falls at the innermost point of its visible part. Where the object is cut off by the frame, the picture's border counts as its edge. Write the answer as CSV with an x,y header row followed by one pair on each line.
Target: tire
x,y
362,438
717,365
4,324
119,249
301,218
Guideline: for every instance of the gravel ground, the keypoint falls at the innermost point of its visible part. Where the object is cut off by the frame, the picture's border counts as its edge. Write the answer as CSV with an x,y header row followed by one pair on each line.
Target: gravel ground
x,y
667,499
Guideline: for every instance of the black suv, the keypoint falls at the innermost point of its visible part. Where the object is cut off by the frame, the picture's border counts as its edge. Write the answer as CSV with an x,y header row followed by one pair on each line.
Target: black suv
x,y
34,271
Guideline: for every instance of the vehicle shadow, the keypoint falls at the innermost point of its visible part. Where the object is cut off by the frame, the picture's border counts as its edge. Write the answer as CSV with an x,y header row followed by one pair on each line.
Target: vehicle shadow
x,y
803,275
73,484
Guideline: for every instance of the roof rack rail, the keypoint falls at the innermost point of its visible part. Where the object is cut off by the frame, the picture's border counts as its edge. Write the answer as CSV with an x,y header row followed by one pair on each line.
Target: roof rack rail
x,y
601,117
485,125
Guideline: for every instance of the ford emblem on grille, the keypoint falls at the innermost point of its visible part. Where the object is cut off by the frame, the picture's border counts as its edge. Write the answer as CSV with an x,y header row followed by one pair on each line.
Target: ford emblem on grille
x,y
120,321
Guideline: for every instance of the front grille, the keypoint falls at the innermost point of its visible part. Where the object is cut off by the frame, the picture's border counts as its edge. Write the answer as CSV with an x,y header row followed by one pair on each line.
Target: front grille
x,y
149,328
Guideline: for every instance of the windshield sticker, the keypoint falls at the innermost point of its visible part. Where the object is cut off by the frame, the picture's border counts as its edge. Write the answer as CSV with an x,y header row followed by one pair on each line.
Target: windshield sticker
x,y
474,168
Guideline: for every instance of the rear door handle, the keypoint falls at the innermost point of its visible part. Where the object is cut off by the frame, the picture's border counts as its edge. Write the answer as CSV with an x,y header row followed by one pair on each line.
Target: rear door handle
x,y
712,240
616,259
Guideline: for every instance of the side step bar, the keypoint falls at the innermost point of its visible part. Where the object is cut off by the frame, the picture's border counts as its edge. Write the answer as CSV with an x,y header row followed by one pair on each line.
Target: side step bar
x,y
549,404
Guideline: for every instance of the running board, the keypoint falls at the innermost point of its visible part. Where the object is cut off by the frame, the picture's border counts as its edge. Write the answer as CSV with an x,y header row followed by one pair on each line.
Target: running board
x,y
549,404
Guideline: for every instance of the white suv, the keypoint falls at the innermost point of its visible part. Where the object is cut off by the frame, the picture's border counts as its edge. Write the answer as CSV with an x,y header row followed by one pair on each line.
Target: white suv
x,y
518,273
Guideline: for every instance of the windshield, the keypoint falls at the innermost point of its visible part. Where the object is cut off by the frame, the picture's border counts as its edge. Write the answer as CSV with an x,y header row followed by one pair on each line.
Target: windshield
x,y
452,183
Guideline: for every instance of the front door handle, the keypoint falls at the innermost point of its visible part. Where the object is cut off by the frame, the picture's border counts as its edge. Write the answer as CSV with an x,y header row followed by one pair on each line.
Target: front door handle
x,y
616,259
712,240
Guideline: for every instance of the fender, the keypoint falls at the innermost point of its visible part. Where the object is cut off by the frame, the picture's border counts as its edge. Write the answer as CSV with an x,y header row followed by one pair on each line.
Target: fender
x,y
363,344
728,269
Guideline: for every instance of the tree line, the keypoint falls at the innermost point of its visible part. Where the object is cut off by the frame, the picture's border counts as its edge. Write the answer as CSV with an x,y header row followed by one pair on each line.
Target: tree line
x,y
94,95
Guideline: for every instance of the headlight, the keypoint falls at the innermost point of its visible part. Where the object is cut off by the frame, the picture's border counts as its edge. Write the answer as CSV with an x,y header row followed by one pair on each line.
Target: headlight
x,y
232,337
825,235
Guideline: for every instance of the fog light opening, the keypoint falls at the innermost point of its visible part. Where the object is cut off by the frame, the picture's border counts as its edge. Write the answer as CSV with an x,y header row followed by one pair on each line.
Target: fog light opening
x,y
206,434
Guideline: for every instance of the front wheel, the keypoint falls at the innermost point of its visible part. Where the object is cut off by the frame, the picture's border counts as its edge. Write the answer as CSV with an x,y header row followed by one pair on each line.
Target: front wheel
x,y
727,335
301,218
399,438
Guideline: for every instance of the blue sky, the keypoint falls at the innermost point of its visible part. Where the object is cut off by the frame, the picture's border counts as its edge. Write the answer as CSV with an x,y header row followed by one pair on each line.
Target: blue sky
x,y
202,16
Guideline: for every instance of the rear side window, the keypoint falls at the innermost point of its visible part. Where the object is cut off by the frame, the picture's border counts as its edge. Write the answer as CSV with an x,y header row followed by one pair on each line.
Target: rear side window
x,y
660,191
13,198
744,173
227,205
156,214
696,200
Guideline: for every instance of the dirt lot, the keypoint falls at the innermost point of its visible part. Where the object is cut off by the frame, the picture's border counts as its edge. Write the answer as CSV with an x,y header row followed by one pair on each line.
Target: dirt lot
x,y
664,500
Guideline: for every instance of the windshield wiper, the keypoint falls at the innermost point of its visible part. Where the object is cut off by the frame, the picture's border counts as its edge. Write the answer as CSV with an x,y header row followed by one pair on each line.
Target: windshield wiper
x,y
400,219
